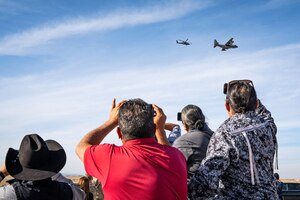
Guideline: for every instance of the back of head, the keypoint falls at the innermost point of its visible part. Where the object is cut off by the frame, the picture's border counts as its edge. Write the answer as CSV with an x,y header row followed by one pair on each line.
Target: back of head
x,y
84,184
241,96
193,117
136,120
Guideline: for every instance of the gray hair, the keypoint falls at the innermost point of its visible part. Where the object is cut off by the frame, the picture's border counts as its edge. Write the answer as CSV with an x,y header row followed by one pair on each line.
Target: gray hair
x,y
193,117
136,119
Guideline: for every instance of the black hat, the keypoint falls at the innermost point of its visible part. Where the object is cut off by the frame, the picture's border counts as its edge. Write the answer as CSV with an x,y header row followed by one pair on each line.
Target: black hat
x,y
36,159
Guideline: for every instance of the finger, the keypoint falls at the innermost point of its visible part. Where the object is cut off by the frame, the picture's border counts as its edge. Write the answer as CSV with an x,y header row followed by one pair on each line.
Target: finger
x,y
113,103
121,103
155,107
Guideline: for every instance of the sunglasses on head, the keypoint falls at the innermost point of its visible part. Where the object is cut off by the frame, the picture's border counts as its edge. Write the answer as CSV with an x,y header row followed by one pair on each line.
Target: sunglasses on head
x,y
231,83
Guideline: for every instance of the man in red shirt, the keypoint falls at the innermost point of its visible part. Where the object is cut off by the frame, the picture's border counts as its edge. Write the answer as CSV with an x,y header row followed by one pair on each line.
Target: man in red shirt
x,y
145,166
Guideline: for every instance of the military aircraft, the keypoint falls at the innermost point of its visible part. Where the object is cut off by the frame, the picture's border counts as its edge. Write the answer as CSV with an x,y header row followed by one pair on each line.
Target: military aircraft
x,y
184,42
228,45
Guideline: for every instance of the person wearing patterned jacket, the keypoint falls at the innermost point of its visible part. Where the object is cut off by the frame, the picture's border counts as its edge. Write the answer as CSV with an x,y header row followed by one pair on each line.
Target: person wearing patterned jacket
x,y
240,155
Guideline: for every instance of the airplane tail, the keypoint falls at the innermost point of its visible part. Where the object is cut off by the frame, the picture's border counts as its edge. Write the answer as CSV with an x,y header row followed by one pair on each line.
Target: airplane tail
x,y
177,42
216,43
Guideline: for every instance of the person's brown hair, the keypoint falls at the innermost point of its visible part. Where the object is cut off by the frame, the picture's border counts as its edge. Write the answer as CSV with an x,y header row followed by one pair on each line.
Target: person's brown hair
x,y
84,184
241,96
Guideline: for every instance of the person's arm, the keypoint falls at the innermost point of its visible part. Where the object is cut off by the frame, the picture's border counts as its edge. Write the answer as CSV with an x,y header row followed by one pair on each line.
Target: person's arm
x,y
262,111
170,126
175,132
159,121
97,135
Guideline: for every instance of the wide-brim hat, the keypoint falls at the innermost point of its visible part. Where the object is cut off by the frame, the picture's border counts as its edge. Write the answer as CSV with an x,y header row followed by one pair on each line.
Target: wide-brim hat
x,y
36,159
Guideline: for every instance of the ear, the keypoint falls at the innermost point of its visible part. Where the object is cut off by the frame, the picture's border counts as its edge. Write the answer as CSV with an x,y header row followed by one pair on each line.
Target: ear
x,y
227,106
119,133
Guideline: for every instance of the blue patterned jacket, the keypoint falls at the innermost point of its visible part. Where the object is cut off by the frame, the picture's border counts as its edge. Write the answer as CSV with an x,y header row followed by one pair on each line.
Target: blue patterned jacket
x,y
239,160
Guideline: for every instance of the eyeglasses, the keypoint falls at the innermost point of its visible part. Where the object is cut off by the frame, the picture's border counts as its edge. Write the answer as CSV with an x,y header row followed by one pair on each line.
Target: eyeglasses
x,y
231,83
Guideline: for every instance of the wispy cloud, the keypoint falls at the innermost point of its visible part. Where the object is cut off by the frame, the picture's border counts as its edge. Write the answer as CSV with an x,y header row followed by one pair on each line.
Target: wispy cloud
x,y
68,107
72,94
22,43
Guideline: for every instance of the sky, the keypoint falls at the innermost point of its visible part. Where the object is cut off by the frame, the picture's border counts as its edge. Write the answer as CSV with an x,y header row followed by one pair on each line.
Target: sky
x,y
62,62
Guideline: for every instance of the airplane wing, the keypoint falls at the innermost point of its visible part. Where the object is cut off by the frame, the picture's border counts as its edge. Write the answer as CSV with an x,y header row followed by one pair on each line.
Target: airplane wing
x,y
230,42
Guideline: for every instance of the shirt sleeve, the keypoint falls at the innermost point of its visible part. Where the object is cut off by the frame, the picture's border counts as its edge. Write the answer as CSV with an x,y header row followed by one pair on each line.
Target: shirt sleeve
x,y
97,159
8,193
262,111
174,134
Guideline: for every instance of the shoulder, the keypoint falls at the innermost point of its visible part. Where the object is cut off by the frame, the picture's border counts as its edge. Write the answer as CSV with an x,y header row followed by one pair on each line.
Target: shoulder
x,y
78,193
172,150
8,192
221,139
183,139
61,178
230,126
95,149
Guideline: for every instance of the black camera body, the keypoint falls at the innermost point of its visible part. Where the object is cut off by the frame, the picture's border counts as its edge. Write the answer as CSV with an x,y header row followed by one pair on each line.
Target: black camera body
x,y
179,116
225,88
150,107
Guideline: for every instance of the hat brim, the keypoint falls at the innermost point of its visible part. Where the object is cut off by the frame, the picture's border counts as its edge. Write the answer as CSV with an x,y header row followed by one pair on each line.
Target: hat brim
x,y
57,160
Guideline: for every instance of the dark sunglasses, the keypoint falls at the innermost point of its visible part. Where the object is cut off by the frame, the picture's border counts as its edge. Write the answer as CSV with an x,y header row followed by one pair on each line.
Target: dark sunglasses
x,y
231,83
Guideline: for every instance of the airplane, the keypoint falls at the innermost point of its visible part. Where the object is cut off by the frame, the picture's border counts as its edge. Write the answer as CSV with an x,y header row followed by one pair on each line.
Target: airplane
x,y
228,45
184,42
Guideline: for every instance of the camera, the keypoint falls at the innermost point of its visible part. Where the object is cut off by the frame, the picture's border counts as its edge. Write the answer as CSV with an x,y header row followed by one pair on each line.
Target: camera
x,y
149,107
225,88
179,116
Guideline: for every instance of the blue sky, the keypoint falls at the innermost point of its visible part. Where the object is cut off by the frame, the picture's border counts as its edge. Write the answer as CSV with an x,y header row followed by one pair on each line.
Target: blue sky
x,y
62,62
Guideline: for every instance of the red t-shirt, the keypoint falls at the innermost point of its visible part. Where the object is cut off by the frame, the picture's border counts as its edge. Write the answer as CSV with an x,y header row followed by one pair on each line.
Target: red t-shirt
x,y
140,169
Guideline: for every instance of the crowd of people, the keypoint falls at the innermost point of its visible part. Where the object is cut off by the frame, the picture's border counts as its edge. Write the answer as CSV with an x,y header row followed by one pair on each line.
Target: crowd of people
x,y
233,162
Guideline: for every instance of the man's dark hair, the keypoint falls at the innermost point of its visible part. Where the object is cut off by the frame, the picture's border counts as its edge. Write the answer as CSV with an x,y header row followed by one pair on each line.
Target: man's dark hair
x,y
193,117
136,119
242,97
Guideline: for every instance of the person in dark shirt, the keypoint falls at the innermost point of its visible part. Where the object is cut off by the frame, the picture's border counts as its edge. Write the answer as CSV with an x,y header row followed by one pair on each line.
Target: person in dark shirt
x,y
35,168
279,186
193,144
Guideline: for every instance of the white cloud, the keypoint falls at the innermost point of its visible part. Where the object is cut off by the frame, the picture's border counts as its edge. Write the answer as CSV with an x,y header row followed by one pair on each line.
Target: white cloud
x,y
67,107
24,42
289,162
